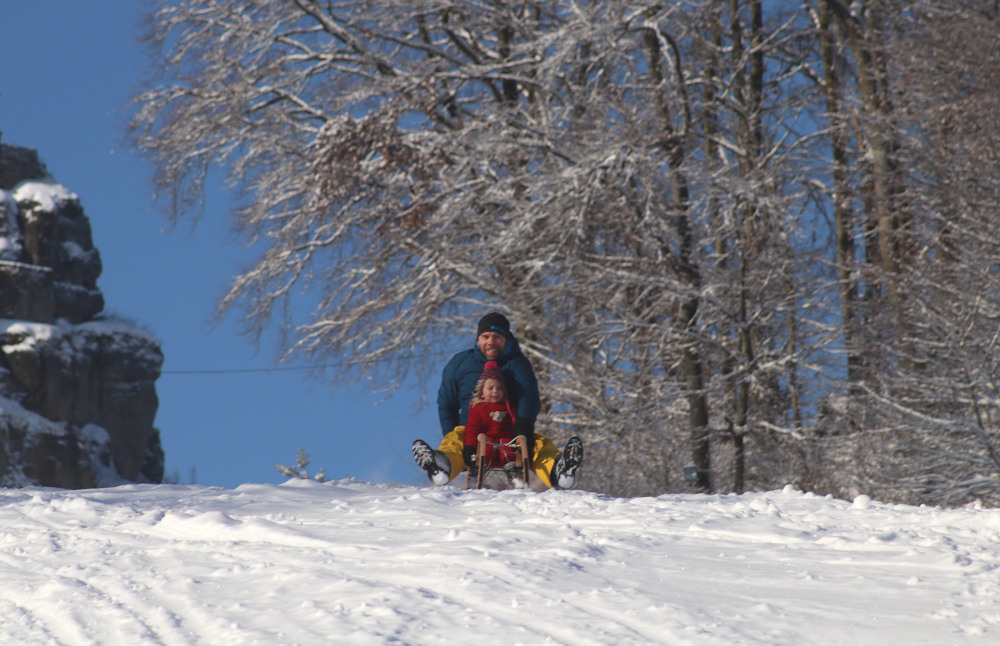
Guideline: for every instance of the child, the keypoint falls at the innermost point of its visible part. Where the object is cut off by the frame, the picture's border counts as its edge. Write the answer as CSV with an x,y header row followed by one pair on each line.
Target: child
x,y
490,413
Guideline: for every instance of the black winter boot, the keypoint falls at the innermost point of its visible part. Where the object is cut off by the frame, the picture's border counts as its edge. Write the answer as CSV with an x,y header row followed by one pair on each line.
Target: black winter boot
x,y
564,470
434,462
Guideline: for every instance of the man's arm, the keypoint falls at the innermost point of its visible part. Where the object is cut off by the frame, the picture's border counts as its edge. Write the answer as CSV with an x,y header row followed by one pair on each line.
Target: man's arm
x,y
529,402
448,401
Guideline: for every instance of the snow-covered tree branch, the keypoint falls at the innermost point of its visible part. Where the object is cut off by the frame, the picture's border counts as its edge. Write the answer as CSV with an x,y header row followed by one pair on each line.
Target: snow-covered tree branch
x,y
644,189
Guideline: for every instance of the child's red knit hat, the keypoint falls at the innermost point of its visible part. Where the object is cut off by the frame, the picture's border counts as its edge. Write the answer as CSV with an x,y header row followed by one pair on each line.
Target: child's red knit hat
x,y
492,371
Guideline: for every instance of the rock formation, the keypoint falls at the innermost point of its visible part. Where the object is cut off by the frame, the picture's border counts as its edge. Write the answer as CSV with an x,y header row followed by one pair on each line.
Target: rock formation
x,y
77,390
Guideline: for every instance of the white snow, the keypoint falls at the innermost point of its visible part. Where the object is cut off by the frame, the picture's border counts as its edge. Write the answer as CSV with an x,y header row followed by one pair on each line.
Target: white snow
x,y
27,424
115,326
75,252
47,194
355,563
10,244
29,334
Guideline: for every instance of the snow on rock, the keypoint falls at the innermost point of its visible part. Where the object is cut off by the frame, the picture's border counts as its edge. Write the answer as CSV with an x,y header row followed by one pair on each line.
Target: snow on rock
x,y
99,373
48,196
354,563
10,238
46,245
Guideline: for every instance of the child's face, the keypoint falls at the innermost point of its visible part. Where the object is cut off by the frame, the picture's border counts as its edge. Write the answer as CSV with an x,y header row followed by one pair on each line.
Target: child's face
x,y
492,391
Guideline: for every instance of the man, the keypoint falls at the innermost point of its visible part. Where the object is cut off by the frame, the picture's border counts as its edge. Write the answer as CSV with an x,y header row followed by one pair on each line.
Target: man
x,y
494,342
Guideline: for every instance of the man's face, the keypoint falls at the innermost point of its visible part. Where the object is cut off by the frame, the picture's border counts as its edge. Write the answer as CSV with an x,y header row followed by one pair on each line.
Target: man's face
x,y
491,344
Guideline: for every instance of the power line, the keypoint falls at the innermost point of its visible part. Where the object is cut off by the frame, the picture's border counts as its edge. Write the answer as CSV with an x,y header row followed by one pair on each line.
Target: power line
x,y
230,371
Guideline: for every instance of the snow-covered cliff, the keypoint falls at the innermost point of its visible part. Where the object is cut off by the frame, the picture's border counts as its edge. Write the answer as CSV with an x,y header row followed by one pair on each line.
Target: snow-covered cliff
x,y
77,390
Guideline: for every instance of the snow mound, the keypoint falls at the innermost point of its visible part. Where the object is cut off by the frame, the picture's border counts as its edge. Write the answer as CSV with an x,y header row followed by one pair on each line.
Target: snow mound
x,y
354,563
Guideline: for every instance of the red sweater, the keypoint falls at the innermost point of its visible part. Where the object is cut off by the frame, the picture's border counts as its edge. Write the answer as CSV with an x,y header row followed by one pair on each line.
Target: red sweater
x,y
496,421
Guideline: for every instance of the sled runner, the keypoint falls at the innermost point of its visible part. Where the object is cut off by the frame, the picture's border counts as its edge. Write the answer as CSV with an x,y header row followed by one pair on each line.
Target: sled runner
x,y
493,471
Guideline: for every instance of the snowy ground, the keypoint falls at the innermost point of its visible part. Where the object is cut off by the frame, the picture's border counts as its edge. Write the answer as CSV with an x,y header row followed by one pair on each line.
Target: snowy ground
x,y
354,563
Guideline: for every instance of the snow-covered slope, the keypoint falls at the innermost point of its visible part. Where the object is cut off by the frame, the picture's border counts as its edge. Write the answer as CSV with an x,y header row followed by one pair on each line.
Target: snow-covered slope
x,y
354,563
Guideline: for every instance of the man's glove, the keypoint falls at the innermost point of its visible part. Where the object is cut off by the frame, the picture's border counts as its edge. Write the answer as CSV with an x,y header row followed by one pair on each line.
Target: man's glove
x,y
469,455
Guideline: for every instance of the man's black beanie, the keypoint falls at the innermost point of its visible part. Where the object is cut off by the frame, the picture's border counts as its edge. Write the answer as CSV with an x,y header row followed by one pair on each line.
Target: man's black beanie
x,y
494,322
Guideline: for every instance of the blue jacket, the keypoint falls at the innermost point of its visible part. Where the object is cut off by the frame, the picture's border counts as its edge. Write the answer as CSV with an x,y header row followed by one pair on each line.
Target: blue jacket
x,y
460,375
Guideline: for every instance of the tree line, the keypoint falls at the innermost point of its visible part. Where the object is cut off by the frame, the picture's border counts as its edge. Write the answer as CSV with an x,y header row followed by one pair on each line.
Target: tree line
x,y
744,243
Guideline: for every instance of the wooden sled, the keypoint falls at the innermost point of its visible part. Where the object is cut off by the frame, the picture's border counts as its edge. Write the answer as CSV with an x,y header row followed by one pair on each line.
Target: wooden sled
x,y
493,477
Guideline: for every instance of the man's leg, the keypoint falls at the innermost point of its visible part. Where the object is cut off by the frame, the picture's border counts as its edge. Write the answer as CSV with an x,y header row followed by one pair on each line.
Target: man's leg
x,y
544,458
435,463
554,468
451,446
444,463
564,472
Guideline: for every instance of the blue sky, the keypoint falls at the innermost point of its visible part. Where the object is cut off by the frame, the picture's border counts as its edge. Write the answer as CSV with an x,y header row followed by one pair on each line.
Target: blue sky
x,y
67,69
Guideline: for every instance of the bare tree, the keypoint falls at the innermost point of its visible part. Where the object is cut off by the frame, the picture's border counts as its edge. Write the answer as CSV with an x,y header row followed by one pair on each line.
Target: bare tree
x,y
627,181
942,391
910,91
